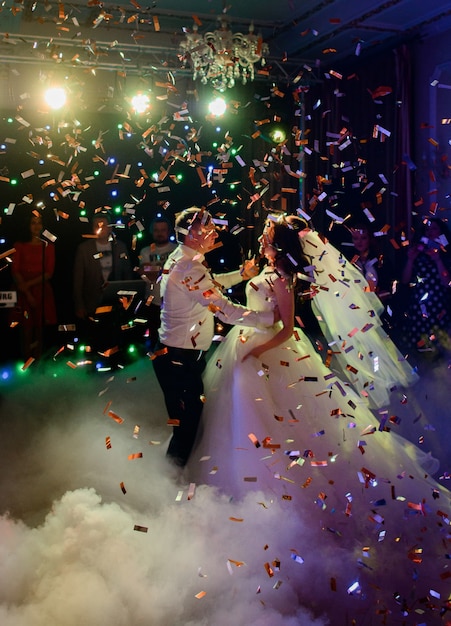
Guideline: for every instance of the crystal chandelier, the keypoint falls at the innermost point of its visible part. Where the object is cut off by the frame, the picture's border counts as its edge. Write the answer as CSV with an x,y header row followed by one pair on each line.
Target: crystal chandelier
x,y
222,57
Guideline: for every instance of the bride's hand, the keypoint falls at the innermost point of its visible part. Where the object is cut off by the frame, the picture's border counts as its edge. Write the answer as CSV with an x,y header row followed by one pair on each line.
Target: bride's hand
x,y
249,269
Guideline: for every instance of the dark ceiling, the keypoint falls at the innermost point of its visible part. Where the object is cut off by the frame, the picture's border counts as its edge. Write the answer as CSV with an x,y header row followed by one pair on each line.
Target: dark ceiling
x,y
302,35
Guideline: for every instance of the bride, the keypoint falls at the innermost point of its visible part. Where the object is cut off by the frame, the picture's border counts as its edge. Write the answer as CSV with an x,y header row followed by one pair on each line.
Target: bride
x,y
278,422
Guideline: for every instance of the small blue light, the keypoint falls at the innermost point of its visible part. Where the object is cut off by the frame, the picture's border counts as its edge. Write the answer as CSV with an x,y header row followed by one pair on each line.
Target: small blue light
x,y
186,127
218,129
221,261
229,290
210,168
114,193
112,160
5,375
2,240
172,238
3,146
140,164
41,161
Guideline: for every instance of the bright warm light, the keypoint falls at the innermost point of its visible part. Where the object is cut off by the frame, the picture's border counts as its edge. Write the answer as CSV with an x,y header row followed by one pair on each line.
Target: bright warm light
x,y
217,107
55,97
140,103
278,135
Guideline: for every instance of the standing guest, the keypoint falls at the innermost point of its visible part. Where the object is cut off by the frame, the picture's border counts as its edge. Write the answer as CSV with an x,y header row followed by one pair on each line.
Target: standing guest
x,y
100,259
191,298
32,269
427,273
371,262
153,258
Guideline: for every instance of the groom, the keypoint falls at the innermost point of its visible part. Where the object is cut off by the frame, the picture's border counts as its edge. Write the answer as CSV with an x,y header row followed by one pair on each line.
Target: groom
x,y
191,298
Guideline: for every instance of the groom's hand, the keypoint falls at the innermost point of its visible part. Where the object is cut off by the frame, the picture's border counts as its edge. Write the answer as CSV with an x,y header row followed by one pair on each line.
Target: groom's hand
x,y
249,269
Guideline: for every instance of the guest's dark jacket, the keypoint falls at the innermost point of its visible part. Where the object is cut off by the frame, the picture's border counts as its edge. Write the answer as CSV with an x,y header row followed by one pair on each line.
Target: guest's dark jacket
x,y
88,282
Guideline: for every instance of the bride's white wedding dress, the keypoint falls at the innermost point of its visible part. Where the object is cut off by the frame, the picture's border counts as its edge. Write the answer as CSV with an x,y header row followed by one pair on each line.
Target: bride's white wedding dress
x,y
286,426
349,316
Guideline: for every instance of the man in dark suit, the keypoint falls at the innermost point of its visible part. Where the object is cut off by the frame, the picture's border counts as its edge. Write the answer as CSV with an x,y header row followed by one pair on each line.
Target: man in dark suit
x,y
98,260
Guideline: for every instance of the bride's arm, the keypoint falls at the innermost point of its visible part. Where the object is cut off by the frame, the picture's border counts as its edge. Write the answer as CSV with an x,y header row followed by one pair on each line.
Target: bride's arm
x,y
285,305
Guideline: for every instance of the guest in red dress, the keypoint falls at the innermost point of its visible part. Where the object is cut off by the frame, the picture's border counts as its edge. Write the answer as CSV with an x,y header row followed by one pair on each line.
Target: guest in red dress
x,y
32,268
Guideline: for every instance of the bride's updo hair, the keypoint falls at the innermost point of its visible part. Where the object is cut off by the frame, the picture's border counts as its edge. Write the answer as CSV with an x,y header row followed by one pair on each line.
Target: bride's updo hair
x,y
289,258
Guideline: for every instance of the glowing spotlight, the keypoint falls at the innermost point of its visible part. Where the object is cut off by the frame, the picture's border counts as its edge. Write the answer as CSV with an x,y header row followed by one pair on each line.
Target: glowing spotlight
x,y
55,97
140,103
278,135
217,107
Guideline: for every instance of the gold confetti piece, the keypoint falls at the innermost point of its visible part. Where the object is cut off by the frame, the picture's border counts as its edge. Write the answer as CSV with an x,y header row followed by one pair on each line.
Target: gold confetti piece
x,y
268,569
236,563
191,490
416,555
108,443
173,422
103,309
7,253
135,455
136,431
141,529
254,440
200,595
115,417
27,363
267,443
123,489
236,519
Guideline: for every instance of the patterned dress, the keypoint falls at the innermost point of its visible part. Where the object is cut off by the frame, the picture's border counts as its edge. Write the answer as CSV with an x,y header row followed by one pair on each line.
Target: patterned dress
x,y
429,302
